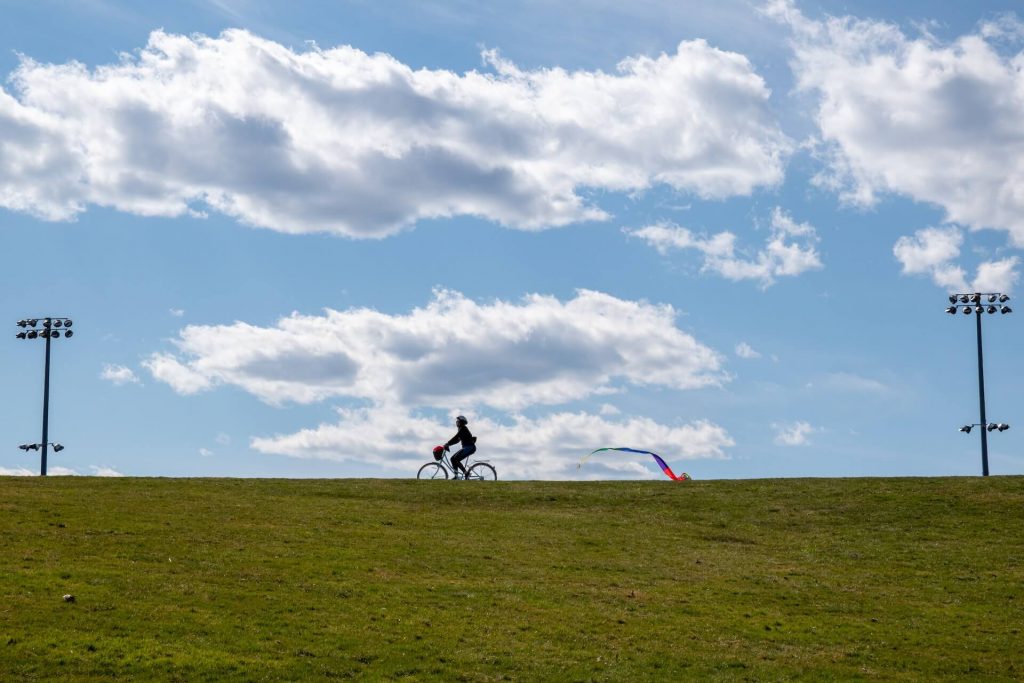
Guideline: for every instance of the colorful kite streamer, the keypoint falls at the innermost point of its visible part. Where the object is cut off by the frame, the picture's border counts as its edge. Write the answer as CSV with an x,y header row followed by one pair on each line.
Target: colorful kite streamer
x,y
661,463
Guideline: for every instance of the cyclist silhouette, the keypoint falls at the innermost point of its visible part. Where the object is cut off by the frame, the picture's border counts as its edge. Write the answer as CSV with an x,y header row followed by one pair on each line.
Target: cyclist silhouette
x,y
468,446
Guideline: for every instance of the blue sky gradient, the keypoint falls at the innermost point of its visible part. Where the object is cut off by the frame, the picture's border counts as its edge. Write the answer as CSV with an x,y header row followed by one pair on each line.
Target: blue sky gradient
x,y
569,329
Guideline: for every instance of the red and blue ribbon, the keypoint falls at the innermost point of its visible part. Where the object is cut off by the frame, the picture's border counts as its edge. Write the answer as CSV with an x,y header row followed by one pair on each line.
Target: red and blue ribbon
x,y
657,458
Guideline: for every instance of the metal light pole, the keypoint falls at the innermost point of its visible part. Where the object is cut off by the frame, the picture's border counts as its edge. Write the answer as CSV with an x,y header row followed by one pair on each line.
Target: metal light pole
x,y
974,303
51,329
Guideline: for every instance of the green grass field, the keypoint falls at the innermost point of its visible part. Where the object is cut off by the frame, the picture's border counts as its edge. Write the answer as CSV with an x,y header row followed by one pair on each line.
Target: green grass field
x,y
828,579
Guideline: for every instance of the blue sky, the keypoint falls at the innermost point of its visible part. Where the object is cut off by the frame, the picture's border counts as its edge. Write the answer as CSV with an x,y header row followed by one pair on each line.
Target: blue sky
x,y
297,238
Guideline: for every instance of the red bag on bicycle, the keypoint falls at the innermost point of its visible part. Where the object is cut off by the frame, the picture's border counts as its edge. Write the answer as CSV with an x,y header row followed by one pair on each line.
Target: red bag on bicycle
x,y
438,452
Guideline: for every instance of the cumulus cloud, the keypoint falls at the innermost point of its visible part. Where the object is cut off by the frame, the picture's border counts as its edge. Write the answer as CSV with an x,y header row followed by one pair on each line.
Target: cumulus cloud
x,y
17,472
789,250
795,434
932,251
997,276
454,350
928,248
119,374
103,471
745,350
549,447
58,471
342,141
935,121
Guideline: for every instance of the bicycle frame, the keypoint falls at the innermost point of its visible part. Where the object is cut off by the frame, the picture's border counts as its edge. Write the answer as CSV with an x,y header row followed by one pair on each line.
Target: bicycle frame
x,y
446,463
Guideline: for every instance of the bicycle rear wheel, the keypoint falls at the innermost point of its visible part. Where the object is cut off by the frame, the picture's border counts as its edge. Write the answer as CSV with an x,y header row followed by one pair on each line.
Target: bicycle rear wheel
x,y
432,470
482,472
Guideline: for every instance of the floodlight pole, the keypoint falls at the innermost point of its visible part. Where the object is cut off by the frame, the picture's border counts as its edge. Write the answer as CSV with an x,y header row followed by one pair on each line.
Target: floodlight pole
x,y
981,399
975,303
53,328
46,403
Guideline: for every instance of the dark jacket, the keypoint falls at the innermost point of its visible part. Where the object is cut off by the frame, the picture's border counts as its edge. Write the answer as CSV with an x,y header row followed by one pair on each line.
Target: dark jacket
x,y
464,436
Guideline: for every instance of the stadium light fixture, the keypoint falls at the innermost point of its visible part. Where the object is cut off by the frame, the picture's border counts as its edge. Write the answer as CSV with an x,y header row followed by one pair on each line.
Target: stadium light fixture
x,y
57,448
49,332
970,302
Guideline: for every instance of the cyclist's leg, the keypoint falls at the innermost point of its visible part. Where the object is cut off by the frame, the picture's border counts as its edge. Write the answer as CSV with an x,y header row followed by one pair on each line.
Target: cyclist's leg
x,y
460,456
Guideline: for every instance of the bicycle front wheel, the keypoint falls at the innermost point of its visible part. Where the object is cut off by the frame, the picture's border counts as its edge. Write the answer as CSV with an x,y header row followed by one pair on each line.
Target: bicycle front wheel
x,y
432,470
482,472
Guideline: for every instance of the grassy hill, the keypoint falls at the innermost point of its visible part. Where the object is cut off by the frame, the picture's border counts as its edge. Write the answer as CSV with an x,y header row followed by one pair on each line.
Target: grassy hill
x,y
900,579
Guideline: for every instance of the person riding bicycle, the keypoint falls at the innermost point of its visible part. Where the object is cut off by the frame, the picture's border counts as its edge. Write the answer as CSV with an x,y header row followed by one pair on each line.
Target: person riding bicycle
x,y
468,446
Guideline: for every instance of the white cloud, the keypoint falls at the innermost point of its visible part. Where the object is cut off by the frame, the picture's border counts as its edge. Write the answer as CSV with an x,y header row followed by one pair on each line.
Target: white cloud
x,y
17,472
928,248
58,471
454,350
166,368
795,434
101,471
205,452
931,251
548,447
935,121
789,250
176,312
118,374
997,276
363,145
745,350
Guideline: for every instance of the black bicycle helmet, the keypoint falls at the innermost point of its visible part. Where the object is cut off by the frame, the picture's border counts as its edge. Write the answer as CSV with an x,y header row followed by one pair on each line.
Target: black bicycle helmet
x,y
461,420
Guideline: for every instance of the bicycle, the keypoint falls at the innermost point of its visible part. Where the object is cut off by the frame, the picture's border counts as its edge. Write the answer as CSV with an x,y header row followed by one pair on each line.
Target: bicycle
x,y
480,470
